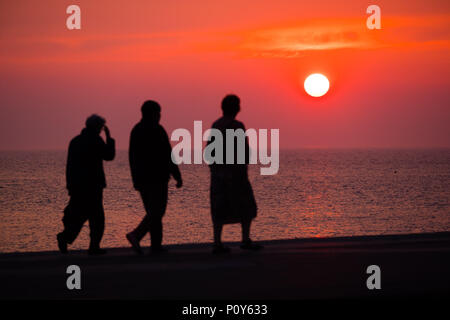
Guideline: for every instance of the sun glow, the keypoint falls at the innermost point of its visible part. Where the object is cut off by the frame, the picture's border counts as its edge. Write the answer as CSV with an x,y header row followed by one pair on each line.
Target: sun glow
x,y
316,85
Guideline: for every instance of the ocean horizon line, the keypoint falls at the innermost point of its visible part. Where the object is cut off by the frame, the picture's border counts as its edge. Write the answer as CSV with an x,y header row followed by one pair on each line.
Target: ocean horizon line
x,y
281,149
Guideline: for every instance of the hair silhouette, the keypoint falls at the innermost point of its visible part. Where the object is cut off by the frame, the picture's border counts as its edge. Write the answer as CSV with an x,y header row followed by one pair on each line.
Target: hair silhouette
x,y
95,122
231,105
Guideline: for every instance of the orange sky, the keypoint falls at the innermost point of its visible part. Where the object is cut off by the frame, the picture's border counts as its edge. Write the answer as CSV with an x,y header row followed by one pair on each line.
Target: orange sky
x,y
389,87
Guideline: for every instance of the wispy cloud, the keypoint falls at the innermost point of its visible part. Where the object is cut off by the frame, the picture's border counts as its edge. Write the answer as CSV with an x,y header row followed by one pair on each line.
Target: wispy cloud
x,y
304,37
286,40
334,34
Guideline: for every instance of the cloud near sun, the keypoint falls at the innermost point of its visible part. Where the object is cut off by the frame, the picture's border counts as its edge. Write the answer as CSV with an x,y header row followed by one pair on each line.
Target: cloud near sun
x,y
287,40
290,40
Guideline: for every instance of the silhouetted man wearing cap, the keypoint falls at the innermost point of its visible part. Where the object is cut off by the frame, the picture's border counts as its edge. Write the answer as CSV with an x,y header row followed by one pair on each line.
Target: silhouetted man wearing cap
x,y
151,167
85,181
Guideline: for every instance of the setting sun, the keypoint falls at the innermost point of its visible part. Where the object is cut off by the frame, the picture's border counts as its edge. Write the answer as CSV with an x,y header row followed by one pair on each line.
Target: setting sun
x,y
316,85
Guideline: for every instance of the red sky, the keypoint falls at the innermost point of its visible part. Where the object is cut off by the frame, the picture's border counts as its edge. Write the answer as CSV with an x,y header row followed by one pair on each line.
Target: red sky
x,y
389,87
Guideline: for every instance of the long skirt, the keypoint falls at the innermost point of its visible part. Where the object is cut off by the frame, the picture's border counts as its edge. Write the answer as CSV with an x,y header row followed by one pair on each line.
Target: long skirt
x,y
232,199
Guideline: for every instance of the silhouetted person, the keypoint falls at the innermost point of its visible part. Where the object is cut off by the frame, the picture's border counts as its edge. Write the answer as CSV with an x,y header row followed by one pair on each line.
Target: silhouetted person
x,y
151,167
85,181
231,195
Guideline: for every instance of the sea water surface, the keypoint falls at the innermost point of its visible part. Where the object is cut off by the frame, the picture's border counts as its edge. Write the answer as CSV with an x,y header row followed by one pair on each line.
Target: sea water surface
x,y
316,193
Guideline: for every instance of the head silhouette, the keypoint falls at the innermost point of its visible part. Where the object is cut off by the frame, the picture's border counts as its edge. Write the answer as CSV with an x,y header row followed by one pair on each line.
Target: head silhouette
x,y
151,112
95,123
231,105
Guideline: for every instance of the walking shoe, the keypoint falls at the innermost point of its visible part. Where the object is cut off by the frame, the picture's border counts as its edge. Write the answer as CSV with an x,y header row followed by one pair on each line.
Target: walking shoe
x,y
62,244
134,243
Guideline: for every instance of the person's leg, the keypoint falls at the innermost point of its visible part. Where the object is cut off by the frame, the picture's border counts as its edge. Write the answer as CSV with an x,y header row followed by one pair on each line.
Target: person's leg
x,y
96,220
73,221
143,227
135,236
246,223
218,245
156,230
158,205
217,228
247,243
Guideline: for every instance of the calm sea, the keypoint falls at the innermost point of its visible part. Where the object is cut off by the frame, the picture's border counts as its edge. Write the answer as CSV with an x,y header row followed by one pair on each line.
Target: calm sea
x,y
317,193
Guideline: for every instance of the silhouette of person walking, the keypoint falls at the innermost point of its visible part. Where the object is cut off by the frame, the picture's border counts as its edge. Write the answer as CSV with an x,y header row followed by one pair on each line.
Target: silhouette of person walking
x,y
85,182
151,167
231,194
